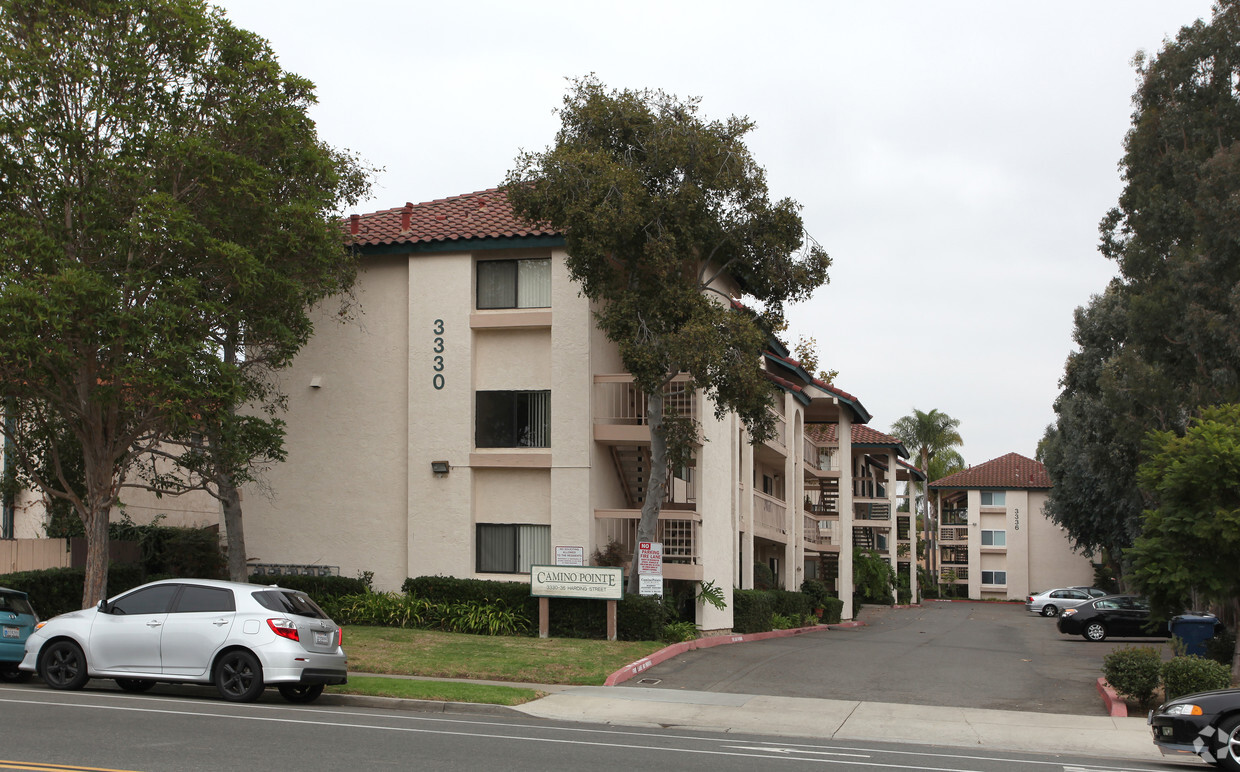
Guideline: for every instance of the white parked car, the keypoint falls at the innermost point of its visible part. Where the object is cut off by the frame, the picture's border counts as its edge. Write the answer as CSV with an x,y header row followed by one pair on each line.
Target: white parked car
x,y
239,637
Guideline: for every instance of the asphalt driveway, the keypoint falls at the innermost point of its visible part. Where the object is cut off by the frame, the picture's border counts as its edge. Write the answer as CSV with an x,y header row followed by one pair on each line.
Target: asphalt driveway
x,y
969,655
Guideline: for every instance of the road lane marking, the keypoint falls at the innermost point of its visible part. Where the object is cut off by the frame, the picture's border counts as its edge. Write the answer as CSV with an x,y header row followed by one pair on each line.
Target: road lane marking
x,y
39,765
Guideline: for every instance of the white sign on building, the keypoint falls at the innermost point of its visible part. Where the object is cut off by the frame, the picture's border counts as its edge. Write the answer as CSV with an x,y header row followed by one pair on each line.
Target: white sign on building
x,y
595,582
570,556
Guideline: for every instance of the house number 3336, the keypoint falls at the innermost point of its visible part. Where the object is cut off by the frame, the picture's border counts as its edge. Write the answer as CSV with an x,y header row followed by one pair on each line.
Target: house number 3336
x,y
437,378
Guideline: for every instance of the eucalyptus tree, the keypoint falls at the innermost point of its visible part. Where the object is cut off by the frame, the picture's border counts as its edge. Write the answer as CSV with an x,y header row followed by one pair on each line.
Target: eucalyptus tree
x,y
1160,343
663,212
140,142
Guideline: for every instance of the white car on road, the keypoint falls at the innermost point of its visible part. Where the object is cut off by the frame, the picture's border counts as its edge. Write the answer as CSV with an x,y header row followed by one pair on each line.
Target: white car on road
x,y
239,637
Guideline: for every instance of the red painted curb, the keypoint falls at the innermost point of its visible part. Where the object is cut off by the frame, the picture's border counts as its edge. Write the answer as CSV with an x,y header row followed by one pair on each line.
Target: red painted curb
x,y
667,652
1116,707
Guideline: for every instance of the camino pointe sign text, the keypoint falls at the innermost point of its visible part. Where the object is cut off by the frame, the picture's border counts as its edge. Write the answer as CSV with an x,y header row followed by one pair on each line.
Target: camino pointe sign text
x,y
596,582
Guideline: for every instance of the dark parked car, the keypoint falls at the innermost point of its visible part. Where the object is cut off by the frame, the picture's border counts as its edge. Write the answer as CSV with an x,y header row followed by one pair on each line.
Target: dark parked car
x,y
1114,616
17,621
1206,725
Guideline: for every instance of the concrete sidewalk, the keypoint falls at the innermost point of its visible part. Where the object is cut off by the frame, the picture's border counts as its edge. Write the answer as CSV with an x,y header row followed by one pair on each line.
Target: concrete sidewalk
x,y
818,719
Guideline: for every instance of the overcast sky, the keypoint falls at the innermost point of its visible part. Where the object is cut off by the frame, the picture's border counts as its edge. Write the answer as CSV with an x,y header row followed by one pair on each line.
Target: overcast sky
x,y
953,158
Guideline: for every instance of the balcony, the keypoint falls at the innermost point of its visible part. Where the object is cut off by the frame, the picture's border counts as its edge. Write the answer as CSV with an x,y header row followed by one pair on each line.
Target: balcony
x,y
769,515
620,407
820,459
871,512
678,534
868,488
954,574
954,517
954,534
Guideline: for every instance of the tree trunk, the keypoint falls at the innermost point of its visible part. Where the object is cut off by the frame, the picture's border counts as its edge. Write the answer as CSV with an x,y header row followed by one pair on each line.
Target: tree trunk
x,y
95,521
647,526
230,498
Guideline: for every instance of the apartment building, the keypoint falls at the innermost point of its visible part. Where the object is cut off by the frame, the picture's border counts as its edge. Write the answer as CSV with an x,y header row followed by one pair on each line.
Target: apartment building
x,y
472,419
994,539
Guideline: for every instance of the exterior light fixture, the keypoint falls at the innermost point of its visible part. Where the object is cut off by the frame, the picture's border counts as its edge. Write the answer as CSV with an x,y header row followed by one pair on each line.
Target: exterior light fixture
x,y
440,467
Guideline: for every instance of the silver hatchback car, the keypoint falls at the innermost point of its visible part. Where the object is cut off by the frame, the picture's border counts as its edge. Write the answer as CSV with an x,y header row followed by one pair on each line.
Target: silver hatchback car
x,y
239,637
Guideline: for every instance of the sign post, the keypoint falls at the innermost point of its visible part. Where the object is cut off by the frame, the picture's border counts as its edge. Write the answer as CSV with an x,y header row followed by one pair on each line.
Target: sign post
x,y
592,582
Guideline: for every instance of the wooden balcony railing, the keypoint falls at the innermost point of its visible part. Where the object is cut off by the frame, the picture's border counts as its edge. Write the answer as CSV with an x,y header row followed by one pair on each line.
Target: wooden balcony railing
x,y
618,400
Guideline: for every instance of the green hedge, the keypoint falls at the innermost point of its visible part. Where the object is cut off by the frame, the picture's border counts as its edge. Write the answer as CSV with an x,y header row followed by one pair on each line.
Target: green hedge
x,y
833,611
1192,674
793,605
1133,672
637,618
320,588
55,591
752,611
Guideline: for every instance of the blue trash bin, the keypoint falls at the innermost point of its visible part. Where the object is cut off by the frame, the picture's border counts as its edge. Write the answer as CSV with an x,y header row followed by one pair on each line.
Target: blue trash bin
x,y
1194,630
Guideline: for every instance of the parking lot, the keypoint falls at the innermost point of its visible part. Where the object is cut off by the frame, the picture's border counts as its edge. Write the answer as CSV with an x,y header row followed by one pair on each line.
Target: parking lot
x,y
972,655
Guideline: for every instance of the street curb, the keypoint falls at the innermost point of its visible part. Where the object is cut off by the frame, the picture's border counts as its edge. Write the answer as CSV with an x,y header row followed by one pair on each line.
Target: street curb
x,y
1116,708
667,652
421,706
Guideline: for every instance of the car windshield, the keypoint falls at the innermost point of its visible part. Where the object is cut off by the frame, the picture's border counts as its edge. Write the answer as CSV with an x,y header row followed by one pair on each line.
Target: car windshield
x,y
289,602
17,604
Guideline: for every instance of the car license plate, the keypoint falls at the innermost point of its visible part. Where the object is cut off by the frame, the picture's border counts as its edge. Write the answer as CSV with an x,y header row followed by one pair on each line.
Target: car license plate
x,y
322,639
12,632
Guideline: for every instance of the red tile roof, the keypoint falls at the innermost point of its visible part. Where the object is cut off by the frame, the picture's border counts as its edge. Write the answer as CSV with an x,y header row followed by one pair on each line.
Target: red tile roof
x,y
481,215
1011,472
861,435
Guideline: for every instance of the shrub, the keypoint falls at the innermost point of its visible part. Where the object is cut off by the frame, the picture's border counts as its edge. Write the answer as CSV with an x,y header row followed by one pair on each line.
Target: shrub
x,y
55,591
679,632
1192,674
320,588
833,611
482,619
752,610
763,577
781,622
381,609
817,591
1221,647
1133,672
793,605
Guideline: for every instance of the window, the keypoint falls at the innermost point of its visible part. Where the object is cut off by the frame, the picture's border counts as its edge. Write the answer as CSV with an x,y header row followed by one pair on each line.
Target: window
x,y
289,602
514,283
196,598
994,577
152,600
993,498
994,538
512,549
513,419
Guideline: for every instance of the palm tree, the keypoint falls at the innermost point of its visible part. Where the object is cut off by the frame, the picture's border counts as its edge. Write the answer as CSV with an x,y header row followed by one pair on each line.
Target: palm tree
x,y
933,436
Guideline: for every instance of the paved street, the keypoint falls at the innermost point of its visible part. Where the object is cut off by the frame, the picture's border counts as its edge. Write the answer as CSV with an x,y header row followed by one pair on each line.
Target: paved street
x,y
967,655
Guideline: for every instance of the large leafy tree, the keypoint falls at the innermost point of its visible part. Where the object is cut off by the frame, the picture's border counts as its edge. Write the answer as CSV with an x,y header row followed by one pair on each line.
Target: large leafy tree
x,y
1161,341
665,215
1190,536
141,143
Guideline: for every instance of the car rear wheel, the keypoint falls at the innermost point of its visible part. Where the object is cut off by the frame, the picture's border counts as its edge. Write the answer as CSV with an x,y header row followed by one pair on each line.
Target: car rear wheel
x,y
239,676
1095,631
301,692
11,675
135,685
1049,611
63,666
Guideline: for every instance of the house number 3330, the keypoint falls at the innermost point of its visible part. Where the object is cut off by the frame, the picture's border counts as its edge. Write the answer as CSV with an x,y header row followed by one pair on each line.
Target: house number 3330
x,y
437,378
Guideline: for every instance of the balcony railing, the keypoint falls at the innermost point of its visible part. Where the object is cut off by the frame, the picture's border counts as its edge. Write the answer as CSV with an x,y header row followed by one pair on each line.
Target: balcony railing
x,y
949,574
780,438
868,488
954,517
872,511
824,459
679,537
770,512
618,400
817,531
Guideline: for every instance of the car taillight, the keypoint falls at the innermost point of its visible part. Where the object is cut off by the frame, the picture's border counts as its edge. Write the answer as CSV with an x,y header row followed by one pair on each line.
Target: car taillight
x,y
1029,599
285,628
340,640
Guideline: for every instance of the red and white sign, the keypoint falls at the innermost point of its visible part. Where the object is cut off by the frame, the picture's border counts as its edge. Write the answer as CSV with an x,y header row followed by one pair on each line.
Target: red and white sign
x,y
650,558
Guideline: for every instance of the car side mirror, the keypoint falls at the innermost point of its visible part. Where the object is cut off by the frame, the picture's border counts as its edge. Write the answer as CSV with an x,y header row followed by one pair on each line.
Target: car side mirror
x,y
103,606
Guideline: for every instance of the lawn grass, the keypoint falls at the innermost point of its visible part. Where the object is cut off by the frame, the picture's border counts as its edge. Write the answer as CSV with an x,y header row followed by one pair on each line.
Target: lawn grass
x,y
438,654
444,691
